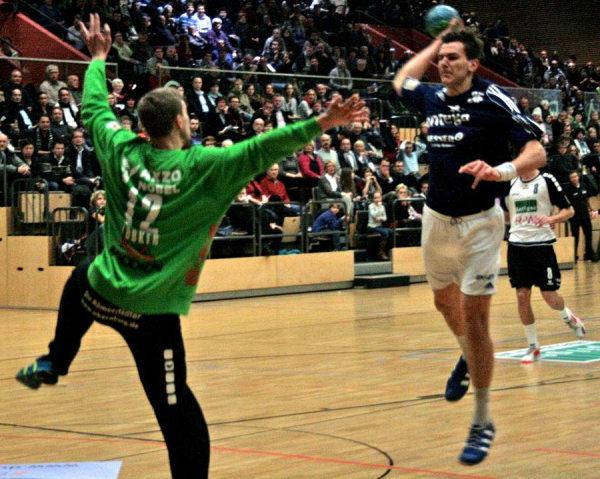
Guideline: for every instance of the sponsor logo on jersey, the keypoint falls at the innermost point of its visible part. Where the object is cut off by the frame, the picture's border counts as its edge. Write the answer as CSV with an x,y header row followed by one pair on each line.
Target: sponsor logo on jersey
x,y
446,138
476,97
446,119
526,206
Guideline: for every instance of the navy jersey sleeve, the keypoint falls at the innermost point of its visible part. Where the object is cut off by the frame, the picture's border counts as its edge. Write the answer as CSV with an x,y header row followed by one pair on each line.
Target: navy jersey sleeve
x,y
521,128
505,191
557,195
413,93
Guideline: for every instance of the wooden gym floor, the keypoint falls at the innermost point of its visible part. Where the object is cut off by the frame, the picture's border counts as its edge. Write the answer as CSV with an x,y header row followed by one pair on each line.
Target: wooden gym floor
x,y
328,385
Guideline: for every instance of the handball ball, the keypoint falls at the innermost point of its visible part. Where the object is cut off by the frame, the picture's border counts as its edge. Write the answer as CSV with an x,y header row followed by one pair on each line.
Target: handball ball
x,y
438,18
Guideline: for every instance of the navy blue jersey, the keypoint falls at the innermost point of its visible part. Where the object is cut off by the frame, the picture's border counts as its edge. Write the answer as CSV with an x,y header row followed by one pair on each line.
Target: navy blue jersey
x,y
480,124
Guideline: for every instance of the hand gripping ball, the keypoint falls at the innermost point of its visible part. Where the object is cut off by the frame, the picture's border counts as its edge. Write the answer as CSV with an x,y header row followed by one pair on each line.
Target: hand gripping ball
x,y
438,18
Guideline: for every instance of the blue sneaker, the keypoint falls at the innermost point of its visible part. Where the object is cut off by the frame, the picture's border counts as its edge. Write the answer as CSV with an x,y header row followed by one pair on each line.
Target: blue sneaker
x,y
478,444
458,382
41,371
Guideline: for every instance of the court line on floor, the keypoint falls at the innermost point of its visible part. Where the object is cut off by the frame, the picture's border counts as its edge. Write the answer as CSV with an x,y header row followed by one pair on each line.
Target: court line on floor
x,y
277,454
332,460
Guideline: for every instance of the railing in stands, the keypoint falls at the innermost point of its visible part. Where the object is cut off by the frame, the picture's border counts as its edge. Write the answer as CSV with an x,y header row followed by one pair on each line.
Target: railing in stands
x,y
33,12
66,66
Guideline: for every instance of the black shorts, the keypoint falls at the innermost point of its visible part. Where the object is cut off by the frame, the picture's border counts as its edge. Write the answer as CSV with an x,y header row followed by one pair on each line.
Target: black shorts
x,y
533,266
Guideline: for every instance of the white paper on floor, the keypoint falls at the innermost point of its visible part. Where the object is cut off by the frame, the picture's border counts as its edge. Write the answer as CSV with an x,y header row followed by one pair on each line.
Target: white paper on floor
x,y
62,470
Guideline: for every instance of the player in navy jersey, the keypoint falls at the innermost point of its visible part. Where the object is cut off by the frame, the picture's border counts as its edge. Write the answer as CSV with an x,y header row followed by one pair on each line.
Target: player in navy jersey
x,y
473,128
531,258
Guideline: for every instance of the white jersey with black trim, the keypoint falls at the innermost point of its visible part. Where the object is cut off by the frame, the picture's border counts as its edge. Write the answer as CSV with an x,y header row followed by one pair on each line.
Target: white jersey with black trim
x,y
529,199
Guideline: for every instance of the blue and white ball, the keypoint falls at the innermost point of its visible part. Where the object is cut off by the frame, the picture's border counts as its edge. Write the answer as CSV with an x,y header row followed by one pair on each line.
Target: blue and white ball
x,y
438,18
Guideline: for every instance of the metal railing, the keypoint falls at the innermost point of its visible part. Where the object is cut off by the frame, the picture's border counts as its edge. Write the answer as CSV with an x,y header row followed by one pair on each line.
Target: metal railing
x,y
376,95
278,216
237,232
29,201
70,231
67,67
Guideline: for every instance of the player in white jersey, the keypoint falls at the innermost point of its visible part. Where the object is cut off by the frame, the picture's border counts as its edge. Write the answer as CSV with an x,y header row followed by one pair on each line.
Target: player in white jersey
x,y
531,257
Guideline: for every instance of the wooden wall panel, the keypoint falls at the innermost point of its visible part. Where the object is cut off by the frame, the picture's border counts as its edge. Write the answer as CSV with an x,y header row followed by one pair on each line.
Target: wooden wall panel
x,y
408,260
28,277
315,268
3,270
4,221
236,274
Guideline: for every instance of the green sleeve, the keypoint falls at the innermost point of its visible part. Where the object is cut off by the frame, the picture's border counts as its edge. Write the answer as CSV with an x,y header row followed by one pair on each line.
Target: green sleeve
x,y
97,115
248,158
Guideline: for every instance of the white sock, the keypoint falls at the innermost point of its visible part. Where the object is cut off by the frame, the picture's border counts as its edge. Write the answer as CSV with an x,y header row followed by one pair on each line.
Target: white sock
x,y
531,333
565,314
482,410
462,342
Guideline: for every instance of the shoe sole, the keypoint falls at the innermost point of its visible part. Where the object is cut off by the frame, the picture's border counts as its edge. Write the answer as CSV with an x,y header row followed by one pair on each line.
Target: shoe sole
x,y
455,398
531,361
474,463
31,383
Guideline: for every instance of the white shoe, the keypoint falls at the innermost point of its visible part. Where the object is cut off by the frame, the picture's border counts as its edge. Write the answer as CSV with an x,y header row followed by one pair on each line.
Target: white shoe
x,y
532,354
576,325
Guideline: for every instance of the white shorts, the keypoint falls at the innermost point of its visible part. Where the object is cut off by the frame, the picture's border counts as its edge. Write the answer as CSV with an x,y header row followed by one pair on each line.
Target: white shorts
x,y
464,250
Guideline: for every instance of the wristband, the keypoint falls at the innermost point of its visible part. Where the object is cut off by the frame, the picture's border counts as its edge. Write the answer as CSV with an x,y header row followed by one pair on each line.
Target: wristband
x,y
507,171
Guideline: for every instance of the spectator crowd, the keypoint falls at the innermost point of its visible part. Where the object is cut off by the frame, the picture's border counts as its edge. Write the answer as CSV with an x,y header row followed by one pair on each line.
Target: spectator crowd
x,y
233,53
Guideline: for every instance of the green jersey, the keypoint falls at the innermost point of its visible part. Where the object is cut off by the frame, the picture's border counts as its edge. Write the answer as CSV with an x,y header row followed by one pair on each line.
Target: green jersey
x,y
163,206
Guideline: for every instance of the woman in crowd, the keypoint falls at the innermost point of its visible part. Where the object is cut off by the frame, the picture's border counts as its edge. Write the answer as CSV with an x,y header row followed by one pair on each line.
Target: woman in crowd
x,y
310,164
305,108
330,188
370,185
252,97
117,86
95,241
377,218
290,102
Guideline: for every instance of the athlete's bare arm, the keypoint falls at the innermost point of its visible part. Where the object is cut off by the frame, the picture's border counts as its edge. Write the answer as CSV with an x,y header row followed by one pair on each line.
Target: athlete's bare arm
x,y
560,217
418,65
532,156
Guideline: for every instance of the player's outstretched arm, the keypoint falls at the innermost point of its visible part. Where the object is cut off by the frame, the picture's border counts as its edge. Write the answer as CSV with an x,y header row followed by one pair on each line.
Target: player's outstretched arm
x,y
96,113
258,153
531,157
418,65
